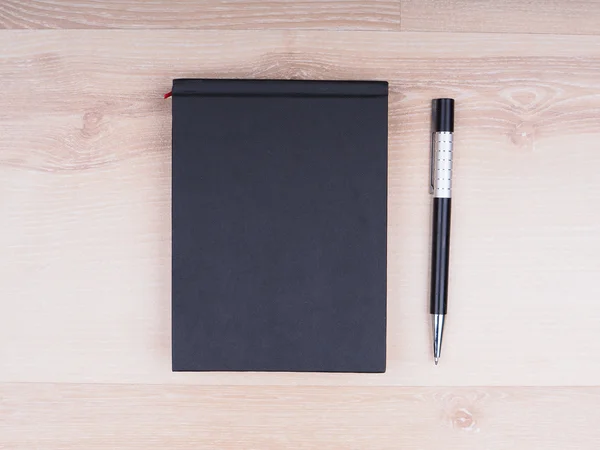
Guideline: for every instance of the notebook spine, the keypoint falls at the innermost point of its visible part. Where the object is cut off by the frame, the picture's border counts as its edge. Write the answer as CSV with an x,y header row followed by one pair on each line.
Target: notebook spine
x,y
278,88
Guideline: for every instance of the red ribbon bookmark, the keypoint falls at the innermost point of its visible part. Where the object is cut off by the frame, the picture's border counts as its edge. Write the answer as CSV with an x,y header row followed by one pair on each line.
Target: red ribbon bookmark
x,y
168,94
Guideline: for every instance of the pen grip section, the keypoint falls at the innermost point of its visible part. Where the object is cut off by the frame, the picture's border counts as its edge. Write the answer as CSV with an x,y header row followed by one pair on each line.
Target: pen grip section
x,y
440,255
441,164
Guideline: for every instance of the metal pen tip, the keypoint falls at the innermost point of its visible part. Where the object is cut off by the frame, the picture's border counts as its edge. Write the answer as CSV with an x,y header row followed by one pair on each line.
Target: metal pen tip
x,y
438,330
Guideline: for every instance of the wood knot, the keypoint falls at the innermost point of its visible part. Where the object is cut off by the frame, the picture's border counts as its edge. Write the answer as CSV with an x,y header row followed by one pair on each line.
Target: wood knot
x,y
92,123
523,135
463,420
460,413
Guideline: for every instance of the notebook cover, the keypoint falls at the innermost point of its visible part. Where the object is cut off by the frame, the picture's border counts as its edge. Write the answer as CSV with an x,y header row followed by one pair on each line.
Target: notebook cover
x,y
279,225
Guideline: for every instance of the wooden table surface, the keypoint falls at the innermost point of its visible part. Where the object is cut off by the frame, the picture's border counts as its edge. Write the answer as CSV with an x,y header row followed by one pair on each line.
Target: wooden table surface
x,y
85,224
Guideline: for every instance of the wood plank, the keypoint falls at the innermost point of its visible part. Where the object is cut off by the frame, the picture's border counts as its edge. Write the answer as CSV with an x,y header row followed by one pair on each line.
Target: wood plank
x,y
508,16
85,203
176,417
211,14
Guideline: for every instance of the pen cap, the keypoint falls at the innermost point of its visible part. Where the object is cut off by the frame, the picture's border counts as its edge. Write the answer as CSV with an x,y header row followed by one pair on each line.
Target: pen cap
x,y
443,114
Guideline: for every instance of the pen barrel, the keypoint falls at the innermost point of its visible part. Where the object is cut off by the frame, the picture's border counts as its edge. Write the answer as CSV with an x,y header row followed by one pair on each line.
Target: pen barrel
x,y
440,255
441,188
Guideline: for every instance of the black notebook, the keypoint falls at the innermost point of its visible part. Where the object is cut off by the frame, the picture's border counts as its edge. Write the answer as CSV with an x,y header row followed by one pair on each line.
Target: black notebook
x,y
279,225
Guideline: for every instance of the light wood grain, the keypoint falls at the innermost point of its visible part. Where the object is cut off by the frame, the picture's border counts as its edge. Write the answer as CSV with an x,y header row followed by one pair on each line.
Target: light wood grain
x,y
158,417
507,16
205,14
85,199
85,225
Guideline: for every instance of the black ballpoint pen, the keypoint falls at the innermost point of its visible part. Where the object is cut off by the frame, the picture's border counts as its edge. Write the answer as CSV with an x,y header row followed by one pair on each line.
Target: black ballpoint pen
x,y
441,189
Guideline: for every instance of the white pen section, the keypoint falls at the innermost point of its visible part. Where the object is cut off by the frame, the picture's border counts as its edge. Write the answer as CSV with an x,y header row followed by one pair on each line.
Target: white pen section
x,y
442,164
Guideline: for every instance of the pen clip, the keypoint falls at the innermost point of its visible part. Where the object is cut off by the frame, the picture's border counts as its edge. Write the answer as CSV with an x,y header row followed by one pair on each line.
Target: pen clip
x,y
431,163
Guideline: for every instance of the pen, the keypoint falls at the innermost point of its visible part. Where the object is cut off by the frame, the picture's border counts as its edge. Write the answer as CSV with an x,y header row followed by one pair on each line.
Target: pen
x,y
441,189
